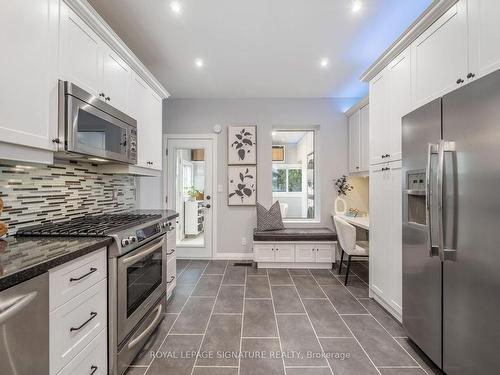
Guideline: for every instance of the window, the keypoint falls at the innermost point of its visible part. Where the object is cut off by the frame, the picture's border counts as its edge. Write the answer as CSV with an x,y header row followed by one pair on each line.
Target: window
x,y
287,179
293,179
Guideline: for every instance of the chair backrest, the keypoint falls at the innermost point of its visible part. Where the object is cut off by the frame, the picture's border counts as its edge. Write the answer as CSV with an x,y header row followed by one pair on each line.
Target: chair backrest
x,y
346,234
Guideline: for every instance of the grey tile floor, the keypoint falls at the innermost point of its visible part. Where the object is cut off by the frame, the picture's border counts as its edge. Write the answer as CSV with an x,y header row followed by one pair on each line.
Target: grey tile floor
x,y
232,320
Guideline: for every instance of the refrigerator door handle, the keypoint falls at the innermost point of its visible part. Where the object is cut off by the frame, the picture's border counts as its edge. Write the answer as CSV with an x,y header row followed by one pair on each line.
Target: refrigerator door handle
x,y
432,149
444,146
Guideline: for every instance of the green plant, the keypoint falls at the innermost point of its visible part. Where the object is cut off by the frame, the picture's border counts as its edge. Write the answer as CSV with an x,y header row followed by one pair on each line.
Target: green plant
x,y
193,192
343,186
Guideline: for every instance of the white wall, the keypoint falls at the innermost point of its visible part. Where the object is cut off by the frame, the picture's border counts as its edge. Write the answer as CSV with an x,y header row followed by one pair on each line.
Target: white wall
x,y
191,116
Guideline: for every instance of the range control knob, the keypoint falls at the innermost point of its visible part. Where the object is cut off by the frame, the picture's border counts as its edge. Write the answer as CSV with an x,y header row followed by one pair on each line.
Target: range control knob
x,y
164,224
125,242
132,239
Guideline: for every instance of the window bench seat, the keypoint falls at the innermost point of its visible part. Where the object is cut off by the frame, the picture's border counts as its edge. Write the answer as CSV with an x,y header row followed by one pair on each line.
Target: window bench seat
x,y
295,248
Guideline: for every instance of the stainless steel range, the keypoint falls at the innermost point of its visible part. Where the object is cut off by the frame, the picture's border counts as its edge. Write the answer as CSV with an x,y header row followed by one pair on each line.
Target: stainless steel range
x,y
137,275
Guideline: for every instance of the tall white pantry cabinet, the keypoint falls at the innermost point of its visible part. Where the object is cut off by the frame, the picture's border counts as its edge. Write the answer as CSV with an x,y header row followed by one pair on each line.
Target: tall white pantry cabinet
x,y
458,46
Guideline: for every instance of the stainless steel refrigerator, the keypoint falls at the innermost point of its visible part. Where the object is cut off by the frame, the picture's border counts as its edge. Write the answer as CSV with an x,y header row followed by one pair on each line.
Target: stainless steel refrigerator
x,y
451,228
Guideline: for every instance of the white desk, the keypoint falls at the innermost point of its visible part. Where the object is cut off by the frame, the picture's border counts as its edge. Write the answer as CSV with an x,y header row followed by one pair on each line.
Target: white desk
x,y
361,222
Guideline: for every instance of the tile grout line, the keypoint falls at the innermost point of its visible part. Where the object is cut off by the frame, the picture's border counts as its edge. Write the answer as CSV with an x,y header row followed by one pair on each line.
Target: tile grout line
x,y
276,322
209,319
310,321
391,336
242,321
349,328
180,311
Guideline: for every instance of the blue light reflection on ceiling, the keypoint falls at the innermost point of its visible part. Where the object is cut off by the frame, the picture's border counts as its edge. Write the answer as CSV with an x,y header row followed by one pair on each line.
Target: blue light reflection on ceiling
x,y
382,25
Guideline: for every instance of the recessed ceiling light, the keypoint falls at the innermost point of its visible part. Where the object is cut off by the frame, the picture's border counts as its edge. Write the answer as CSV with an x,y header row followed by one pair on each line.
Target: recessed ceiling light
x,y
356,6
199,62
176,7
324,62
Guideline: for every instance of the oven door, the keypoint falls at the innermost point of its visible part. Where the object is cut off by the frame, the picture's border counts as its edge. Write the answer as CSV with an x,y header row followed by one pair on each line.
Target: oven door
x,y
141,282
93,132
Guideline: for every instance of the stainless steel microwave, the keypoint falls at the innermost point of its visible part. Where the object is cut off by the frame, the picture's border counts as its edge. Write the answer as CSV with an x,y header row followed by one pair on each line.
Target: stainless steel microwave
x,y
92,129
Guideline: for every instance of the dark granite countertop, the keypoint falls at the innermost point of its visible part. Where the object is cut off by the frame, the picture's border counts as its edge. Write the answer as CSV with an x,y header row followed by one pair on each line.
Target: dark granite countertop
x,y
296,234
23,258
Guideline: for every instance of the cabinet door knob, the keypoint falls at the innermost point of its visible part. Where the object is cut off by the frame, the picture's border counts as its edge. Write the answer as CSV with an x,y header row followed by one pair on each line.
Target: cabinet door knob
x,y
107,98
471,75
56,140
459,81
102,95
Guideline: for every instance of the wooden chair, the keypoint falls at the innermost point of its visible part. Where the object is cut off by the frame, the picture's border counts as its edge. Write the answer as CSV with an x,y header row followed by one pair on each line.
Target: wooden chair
x,y
346,234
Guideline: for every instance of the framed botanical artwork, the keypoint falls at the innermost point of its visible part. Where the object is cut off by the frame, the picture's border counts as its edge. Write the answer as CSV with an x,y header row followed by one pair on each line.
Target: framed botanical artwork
x,y
241,145
241,185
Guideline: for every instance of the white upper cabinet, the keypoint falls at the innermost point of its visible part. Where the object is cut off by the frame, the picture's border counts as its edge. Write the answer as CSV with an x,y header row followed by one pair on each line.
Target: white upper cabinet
x,y
147,110
354,142
439,56
28,73
80,52
484,37
358,120
90,63
379,118
399,95
364,129
116,80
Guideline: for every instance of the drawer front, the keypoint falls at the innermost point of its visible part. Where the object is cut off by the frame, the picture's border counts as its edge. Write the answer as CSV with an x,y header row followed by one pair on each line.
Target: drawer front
x,y
305,253
171,252
171,274
71,279
76,323
325,253
284,252
93,359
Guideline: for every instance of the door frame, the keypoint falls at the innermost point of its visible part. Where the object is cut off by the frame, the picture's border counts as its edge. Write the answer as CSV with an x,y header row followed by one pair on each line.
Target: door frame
x,y
166,186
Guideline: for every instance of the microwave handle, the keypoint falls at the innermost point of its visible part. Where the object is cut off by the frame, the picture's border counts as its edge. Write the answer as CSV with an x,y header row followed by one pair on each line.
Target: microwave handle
x,y
150,249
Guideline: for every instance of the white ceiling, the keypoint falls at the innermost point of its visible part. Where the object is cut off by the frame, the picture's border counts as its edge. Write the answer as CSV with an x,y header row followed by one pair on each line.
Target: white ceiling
x,y
259,48
281,137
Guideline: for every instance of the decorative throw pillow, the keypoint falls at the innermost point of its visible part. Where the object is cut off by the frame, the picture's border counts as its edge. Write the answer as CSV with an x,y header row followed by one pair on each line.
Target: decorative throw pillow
x,y
269,219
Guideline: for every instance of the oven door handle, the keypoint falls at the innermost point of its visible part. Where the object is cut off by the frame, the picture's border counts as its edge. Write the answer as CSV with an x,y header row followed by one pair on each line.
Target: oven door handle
x,y
150,249
148,330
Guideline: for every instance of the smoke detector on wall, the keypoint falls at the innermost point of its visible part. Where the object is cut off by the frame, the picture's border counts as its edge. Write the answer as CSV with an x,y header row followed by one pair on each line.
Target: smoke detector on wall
x,y
217,129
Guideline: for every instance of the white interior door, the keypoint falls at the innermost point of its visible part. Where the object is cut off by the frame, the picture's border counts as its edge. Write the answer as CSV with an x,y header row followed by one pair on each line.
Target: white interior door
x,y
190,179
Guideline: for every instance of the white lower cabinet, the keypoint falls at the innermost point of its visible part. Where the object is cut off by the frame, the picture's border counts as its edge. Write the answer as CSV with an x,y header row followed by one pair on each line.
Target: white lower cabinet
x,y
171,259
91,360
78,294
386,235
290,252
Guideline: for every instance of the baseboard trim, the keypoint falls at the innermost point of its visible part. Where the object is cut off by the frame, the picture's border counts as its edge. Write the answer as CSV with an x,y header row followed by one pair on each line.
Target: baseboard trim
x,y
387,307
320,266
234,256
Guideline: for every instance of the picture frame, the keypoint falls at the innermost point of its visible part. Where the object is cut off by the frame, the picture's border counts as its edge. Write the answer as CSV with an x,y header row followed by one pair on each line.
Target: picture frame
x,y
241,185
242,145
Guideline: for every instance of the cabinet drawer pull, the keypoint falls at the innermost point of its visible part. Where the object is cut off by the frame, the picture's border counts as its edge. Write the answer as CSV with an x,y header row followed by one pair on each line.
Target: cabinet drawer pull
x,y
92,270
93,369
173,251
171,279
92,316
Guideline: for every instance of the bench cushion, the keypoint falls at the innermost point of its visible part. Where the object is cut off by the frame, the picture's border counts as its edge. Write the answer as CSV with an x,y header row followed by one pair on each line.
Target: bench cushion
x,y
296,234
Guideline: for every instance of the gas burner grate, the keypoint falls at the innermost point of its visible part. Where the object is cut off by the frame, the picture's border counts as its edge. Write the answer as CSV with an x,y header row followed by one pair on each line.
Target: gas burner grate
x,y
88,226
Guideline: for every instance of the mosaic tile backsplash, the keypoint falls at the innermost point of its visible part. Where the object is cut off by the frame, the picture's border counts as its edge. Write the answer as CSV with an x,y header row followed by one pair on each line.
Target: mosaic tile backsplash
x,y
65,190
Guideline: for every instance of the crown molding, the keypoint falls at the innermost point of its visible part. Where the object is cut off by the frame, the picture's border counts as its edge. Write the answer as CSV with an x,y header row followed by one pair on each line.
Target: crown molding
x,y
101,27
426,19
363,102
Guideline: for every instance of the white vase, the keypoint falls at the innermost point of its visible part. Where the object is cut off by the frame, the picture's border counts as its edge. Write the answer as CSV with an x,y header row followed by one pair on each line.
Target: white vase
x,y
340,206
